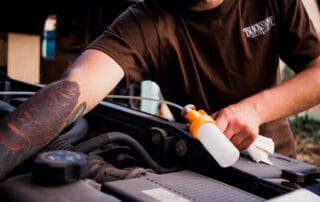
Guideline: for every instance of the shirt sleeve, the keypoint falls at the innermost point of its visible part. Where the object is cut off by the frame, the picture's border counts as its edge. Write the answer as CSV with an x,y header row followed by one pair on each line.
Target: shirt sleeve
x,y
125,40
299,41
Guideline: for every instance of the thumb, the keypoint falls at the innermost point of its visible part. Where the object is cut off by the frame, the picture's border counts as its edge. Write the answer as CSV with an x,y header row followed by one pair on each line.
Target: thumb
x,y
220,122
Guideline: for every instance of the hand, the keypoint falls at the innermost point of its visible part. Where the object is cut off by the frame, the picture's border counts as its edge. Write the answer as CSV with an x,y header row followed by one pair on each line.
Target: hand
x,y
239,123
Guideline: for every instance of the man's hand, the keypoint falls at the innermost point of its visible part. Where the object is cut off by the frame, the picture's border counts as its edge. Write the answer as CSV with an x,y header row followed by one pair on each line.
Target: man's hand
x,y
239,123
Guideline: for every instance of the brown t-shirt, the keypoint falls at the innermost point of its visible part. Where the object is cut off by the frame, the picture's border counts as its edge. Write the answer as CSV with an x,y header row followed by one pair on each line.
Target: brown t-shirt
x,y
213,58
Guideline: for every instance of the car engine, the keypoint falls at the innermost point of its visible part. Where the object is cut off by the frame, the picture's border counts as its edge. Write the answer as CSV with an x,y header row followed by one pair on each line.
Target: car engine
x,y
118,153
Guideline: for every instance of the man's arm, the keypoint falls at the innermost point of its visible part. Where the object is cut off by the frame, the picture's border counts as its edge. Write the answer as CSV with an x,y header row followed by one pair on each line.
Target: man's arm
x,y
240,122
40,119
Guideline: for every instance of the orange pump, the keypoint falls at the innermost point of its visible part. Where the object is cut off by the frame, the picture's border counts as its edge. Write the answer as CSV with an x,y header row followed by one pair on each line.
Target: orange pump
x,y
202,128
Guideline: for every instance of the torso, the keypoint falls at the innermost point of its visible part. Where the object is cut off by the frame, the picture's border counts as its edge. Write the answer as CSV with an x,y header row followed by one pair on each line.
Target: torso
x,y
213,58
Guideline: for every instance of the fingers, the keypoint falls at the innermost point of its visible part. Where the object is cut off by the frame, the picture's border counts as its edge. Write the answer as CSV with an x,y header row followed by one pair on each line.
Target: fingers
x,y
242,141
222,121
241,131
222,124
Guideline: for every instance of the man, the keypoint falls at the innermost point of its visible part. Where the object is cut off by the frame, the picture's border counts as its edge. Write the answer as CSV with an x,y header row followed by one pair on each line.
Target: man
x,y
221,55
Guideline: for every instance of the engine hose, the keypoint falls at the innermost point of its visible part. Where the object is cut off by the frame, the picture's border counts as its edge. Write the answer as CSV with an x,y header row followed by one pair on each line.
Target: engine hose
x,y
5,108
106,138
58,144
101,171
77,132
98,169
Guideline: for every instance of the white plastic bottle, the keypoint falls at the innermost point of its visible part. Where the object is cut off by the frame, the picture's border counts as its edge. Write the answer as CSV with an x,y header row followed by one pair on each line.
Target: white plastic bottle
x,y
202,127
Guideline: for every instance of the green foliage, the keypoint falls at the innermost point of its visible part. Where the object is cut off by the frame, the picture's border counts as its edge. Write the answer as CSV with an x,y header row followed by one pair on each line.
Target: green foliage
x,y
287,73
305,129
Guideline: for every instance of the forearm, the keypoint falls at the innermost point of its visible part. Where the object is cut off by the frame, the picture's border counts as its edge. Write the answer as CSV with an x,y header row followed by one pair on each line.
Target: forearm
x,y
240,122
293,96
39,120
36,122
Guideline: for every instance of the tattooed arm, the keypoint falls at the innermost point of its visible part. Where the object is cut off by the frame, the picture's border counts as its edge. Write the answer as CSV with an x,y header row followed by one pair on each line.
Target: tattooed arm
x,y
39,120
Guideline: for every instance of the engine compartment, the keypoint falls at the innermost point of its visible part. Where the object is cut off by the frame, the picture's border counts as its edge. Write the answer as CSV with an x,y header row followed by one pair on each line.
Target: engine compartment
x,y
134,156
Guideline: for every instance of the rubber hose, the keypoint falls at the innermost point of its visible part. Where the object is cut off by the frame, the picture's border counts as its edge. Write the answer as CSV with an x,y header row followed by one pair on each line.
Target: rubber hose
x,y
58,144
106,138
101,171
77,132
5,108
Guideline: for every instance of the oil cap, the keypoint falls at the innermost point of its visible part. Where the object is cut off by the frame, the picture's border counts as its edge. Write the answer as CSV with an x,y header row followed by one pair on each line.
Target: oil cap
x,y
59,167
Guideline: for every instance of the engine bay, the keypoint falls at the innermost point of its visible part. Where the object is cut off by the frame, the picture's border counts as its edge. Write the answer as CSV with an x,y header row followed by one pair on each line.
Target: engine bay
x,y
117,153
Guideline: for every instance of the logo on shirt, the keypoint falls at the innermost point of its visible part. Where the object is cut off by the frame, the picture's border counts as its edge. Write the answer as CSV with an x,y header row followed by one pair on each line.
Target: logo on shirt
x,y
259,28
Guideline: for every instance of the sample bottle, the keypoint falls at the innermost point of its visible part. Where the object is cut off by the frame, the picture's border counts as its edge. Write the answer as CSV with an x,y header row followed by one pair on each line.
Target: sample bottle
x,y
202,127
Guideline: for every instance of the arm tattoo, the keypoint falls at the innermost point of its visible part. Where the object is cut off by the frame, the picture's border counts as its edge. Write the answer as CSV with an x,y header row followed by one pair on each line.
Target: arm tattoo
x,y
77,113
36,122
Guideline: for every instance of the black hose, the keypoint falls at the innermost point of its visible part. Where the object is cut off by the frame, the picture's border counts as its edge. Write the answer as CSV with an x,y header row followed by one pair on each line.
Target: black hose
x,y
58,144
98,169
5,108
101,171
77,131
106,138
66,140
